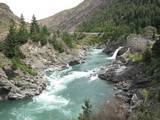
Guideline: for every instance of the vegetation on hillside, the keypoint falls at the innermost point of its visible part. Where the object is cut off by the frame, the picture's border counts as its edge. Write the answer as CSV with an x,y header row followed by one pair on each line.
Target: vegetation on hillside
x,y
123,17
19,35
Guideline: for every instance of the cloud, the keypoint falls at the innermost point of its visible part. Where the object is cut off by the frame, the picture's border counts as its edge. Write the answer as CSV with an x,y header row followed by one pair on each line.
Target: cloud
x,y
41,8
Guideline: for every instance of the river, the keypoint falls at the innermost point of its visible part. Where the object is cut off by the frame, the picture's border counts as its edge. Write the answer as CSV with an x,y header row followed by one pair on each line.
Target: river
x,y
66,91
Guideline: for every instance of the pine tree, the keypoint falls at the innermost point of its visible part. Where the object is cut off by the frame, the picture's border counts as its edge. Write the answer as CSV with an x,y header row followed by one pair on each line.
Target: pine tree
x,y
11,44
44,35
23,32
67,38
87,110
34,28
45,30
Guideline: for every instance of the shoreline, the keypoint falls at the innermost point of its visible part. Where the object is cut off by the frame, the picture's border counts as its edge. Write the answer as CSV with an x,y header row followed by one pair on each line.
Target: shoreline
x,y
24,86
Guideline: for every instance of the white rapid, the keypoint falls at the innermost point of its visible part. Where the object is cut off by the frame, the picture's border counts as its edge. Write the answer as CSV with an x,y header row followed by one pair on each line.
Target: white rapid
x,y
115,54
66,91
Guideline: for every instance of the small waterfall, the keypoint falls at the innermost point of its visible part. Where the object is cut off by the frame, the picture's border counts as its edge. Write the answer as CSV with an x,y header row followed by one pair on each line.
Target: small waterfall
x,y
115,54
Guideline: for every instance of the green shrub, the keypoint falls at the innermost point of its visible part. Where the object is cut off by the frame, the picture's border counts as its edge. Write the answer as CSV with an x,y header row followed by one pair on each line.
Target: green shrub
x,y
68,39
87,111
135,57
17,63
58,46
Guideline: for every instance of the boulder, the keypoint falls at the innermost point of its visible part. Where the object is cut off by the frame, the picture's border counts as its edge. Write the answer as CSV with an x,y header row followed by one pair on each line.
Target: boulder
x,y
5,87
74,62
111,46
114,73
137,43
19,89
122,51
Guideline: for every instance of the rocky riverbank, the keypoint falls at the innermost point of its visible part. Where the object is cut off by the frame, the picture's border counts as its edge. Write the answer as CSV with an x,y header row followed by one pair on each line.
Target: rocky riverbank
x,y
20,85
15,84
126,72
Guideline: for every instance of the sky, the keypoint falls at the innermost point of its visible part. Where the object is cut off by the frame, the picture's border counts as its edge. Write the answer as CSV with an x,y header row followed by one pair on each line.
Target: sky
x,y
40,8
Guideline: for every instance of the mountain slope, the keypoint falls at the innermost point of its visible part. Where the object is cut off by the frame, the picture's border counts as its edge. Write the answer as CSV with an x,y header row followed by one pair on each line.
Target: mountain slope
x,y
69,19
6,16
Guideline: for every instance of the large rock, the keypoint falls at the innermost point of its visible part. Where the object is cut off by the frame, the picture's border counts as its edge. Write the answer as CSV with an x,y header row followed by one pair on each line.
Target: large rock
x,y
113,45
18,89
74,62
137,43
114,73
5,88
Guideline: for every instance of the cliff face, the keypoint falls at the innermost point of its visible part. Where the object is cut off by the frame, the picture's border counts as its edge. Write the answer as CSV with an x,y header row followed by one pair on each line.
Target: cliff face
x,y
69,19
6,16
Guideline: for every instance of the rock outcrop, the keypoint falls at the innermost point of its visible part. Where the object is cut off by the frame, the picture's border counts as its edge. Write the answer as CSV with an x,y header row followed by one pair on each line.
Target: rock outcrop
x,y
129,77
39,57
20,86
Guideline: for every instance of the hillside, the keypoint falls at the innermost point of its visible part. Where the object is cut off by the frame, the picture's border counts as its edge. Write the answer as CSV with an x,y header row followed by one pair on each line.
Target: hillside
x,y
71,18
6,16
131,13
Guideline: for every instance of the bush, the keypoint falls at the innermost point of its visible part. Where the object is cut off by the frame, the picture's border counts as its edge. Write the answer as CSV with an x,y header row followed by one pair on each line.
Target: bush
x,y
135,57
87,111
58,46
68,39
89,40
17,63
156,49
149,32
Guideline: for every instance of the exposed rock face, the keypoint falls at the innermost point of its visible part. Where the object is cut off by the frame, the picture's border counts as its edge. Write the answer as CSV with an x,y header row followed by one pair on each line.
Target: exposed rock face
x,y
128,76
69,19
39,57
113,45
134,42
138,42
15,85
22,86
8,71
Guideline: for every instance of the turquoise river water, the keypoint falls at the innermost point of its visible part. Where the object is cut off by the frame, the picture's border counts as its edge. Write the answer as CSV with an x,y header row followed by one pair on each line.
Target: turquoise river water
x,y
66,91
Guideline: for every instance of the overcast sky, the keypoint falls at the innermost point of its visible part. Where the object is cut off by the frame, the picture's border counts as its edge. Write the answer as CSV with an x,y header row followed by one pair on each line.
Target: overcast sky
x,y
41,8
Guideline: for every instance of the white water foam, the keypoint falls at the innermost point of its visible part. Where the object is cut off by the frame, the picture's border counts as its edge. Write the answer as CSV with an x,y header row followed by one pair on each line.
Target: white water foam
x,y
49,98
93,78
58,82
96,51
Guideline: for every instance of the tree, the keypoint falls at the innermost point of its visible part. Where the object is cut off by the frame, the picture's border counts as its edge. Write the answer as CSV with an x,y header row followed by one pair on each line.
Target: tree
x,y
23,32
87,111
44,35
34,28
156,49
67,38
11,44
